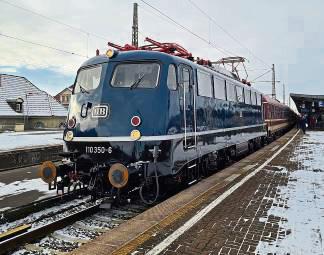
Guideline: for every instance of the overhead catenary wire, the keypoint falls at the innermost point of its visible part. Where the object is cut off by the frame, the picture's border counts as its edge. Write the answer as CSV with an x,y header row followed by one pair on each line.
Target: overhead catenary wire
x,y
262,75
55,20
143,7
42,45
87,33
255,69
170,20
223,51
228,33
154,14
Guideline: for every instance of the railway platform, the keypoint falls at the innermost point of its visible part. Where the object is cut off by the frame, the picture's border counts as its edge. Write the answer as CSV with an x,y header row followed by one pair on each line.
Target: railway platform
x,y
271,202
22,149
22,186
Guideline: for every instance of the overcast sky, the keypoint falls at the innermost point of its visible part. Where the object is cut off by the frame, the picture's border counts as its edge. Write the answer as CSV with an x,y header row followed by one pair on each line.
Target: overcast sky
x,y
287,33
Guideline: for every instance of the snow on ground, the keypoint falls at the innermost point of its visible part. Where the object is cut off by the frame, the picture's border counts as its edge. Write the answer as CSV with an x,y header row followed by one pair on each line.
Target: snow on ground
x,y
19,187
49,215
4,209
13,140
302,217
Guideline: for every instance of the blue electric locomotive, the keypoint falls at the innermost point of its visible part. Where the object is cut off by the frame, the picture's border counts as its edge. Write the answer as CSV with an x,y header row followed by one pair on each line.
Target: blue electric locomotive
x,y
143,118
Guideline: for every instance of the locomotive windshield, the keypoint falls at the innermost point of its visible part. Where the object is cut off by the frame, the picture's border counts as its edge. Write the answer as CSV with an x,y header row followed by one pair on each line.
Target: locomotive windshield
x,y
132,75
88,79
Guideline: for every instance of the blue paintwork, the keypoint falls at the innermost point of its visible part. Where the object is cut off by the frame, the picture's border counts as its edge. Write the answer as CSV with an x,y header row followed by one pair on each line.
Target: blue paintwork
x,y
161,114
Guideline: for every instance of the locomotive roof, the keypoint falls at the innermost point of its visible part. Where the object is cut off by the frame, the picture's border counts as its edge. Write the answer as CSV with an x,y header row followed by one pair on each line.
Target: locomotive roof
x,y
136,55
146,55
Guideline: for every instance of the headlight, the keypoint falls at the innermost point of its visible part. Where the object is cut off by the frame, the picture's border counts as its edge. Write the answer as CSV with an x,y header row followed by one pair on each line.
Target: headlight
x,y
135,134
111,53
68,136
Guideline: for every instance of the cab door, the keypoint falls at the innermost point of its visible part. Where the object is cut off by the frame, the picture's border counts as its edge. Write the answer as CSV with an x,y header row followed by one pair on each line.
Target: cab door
x,y
187,106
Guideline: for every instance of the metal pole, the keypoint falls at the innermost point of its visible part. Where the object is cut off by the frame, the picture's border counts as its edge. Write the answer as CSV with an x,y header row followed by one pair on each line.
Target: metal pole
x,y
135,25
273,82
284,93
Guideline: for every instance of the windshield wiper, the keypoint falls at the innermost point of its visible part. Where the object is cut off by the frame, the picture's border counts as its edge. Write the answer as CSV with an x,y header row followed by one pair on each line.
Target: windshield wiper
x,y
83,90
137,82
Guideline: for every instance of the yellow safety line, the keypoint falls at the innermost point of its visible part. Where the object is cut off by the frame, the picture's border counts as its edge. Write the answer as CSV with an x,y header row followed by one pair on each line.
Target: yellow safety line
x,y
14,231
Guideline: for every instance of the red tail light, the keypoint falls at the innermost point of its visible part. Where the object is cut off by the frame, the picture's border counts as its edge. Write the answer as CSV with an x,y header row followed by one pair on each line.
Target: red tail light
x,y
135,121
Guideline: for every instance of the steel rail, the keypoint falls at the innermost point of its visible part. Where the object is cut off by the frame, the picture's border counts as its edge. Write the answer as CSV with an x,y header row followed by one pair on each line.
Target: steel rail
x,y
36,206
32,234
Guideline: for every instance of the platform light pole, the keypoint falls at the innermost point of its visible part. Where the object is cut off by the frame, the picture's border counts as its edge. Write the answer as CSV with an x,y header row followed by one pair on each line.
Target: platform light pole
x,y
135,25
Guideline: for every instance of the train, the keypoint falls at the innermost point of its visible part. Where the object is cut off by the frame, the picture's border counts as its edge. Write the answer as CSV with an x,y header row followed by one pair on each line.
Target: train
x,y
153,117
277,116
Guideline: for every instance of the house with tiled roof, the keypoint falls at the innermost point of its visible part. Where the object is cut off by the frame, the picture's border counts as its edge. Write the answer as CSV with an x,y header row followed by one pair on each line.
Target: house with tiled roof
x,y
24,106
64,96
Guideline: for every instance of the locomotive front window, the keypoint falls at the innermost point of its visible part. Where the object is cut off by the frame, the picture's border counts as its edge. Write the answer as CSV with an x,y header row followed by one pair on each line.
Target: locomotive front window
x,y
88,79
133,75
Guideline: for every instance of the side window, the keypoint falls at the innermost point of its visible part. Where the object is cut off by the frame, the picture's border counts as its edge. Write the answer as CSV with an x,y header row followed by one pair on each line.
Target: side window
x,y
219,88
253,98
247,95
204,84
172,78
239,94
185,78
231,95
259,99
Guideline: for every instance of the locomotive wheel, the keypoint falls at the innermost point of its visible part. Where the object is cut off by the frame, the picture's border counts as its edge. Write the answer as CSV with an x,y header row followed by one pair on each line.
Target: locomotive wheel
x,y
221,160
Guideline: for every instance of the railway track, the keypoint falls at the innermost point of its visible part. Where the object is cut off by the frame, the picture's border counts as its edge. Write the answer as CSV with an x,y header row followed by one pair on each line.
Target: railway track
x,y
62,228
25,210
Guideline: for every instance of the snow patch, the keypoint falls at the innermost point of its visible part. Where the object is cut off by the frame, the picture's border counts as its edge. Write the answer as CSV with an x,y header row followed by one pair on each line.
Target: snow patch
x,y
302,220
263,219
19,187
18,140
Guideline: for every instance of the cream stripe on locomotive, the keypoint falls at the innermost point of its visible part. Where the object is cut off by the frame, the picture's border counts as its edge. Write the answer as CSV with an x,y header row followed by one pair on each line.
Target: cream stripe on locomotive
x,y
160,137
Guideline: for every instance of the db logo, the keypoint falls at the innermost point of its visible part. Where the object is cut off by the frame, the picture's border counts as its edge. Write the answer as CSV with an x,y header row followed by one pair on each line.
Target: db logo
x,y
100,111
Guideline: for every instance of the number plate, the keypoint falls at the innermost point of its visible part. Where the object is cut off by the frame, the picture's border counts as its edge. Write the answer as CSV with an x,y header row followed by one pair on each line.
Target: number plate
x,y
98,149
100,111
